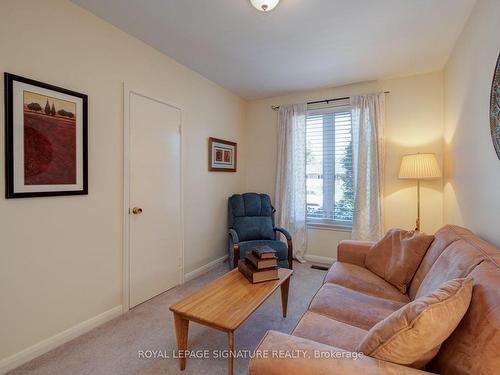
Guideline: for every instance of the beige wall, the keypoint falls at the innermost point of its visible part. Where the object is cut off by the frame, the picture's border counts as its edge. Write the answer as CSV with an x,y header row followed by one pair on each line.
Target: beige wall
x,y
472,169
414,123
61,257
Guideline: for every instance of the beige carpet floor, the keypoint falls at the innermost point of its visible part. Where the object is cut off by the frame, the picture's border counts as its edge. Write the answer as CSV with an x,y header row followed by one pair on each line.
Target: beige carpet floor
x,y
113,348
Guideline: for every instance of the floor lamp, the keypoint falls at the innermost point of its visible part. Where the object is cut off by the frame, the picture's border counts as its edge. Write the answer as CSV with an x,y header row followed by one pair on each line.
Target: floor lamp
x,y
419,167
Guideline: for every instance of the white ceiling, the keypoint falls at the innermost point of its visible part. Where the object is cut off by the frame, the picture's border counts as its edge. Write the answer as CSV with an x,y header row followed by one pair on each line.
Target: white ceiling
x,y
302,44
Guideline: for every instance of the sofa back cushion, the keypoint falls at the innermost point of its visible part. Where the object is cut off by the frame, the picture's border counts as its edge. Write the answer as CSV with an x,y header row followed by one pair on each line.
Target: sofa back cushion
x,y
473,348
413,334
456,261
443,238
396,257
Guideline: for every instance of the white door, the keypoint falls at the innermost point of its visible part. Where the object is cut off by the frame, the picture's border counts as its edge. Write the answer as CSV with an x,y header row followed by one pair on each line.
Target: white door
x,y
155,208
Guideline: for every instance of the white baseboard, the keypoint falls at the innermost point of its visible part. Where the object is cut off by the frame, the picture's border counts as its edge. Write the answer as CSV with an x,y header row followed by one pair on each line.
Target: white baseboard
x,y
46,345
319,259
204,269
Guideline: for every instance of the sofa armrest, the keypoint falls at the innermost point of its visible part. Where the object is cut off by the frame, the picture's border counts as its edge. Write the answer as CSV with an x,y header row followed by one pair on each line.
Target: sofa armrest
x,y
279,353
353,252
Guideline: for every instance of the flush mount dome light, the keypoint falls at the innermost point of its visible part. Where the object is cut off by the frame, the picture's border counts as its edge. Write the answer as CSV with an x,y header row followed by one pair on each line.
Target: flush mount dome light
x,y
264,5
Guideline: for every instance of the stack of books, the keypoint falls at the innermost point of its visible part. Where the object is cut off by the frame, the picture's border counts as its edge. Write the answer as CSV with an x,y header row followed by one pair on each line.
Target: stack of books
x,y
259,265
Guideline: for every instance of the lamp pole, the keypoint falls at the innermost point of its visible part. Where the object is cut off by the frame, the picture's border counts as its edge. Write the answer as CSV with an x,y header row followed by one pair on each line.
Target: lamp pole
x,y
417,227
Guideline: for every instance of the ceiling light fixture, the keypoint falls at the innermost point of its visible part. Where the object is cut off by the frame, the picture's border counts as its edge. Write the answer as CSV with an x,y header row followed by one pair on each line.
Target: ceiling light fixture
x,y
264,5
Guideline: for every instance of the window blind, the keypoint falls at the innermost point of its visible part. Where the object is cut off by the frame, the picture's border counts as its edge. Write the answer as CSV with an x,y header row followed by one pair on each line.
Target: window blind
x,y
330,195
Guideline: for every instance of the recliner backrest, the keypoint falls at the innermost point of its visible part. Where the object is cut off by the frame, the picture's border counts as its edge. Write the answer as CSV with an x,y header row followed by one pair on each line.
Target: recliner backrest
x,y
251,215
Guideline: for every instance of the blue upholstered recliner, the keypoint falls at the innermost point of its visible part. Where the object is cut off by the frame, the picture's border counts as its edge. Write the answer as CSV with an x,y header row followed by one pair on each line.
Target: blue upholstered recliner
x,y
251,223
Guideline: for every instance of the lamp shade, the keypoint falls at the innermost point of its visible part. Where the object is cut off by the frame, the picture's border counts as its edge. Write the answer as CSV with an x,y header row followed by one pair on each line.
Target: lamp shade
x,y
419,166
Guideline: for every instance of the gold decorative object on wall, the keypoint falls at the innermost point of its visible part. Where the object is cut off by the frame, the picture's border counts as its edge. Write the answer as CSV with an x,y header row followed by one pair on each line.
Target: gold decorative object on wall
x,y
495,109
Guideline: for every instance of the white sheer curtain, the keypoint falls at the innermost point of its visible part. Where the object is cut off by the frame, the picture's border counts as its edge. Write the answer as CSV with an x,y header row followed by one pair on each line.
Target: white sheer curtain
x,y
368,121
290,199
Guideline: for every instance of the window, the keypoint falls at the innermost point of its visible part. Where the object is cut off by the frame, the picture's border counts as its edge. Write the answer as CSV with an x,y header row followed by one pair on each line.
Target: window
x,y
329,174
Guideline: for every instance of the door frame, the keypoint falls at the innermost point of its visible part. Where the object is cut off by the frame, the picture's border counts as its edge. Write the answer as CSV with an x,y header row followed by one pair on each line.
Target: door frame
x,y
127,91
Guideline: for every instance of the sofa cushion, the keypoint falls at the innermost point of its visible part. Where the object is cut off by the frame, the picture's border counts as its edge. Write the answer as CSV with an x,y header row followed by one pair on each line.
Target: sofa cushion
x,y
329,331
314,358
363,280
396,257
473,348
481,245
413,334
442,239
456,261
352,307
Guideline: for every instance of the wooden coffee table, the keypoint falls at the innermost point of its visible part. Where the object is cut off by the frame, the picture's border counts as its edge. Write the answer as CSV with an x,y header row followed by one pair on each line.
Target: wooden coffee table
x,y
225,304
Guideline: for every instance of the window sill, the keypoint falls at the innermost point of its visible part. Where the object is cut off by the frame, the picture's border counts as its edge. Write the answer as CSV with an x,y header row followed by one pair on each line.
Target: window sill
x,y
333,227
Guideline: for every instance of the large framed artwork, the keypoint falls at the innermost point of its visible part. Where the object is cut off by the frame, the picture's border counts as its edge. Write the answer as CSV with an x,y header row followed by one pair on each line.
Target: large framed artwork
x,y
221,155
45,139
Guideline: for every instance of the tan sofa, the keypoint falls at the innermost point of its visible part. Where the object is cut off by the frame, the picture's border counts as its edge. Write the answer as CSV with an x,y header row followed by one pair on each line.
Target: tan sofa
x,y
353,299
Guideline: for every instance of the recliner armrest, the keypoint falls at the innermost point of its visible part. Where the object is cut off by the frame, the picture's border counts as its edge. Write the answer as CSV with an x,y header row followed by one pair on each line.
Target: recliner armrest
x,y
287,234
354,252
234,236
279,353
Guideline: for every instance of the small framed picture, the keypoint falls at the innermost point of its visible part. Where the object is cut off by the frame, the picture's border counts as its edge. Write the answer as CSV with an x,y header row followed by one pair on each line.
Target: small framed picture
x,y
221,155
46,139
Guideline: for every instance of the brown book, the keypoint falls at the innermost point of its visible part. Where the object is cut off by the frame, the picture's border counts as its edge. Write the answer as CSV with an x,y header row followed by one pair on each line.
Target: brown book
x,y
264,252
261,264
254,276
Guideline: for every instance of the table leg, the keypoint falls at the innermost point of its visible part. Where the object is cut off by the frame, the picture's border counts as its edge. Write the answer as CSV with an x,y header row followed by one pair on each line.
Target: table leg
x,y
231,352
181,333
284,296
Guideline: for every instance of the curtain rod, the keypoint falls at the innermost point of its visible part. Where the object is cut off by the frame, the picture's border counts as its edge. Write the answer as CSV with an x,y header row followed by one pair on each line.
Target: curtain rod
x,y
276,107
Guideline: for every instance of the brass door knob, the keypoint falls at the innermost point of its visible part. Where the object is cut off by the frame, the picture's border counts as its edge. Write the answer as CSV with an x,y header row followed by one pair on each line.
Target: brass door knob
x,y
137,210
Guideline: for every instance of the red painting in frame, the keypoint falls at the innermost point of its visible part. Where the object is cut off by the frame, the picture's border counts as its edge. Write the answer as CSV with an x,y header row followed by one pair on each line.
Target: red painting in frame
x,y
46,139
222,155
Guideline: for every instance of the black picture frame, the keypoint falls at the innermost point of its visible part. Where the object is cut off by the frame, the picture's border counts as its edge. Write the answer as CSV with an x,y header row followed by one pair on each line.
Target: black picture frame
x,y
10,192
